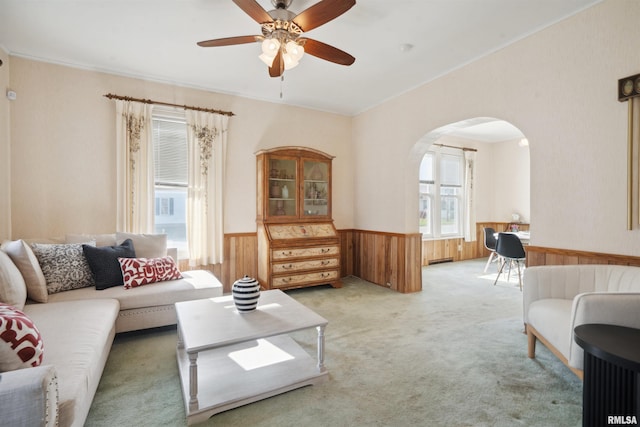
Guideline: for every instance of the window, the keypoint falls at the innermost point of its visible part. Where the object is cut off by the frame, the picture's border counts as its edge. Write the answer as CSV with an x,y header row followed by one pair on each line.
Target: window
x,y
170,169
441,194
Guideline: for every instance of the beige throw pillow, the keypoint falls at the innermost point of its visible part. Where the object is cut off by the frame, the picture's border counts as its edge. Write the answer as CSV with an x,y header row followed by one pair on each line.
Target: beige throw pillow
x,y
25,260
13,291
100,239
145,245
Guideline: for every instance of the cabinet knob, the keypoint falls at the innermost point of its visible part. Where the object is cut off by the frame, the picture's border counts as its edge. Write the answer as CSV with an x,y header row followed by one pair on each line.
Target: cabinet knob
x,y
324,262
325,250
287,267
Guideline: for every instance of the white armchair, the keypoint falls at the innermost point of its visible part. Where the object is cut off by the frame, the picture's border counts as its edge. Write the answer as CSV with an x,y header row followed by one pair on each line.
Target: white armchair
x,y
556,299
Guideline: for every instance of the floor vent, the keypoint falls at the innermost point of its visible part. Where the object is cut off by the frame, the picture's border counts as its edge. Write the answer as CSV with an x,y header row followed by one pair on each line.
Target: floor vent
x,y
440,261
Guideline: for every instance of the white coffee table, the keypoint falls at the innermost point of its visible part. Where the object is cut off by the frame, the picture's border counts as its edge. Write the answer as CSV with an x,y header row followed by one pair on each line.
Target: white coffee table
x,y
229,359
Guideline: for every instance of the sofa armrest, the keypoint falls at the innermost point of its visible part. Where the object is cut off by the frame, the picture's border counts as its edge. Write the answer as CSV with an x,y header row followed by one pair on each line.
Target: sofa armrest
x,y
611,308
29,396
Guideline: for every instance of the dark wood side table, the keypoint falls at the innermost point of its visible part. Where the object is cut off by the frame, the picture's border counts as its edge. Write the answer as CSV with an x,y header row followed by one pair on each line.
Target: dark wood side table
x,y
611,374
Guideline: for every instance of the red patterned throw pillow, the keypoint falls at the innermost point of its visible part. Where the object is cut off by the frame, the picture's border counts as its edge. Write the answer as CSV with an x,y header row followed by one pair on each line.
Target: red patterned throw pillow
x,y
20,341
142,271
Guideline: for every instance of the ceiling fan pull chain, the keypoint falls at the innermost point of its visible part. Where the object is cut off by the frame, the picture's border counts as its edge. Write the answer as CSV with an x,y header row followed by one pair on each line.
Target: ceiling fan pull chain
x,y
281,82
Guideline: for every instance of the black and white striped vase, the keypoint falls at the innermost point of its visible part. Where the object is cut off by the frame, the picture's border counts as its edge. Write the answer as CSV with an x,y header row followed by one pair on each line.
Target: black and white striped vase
x,y
246,292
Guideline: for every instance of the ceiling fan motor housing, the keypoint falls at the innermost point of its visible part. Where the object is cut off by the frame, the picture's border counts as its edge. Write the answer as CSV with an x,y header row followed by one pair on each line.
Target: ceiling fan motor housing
x,y
281,4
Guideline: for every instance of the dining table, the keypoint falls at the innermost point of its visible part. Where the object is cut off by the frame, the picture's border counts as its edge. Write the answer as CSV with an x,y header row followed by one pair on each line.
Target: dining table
x,y
524,236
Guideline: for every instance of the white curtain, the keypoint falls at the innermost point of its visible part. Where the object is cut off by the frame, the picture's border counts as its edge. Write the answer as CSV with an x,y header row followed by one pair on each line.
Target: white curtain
x,y
469,191
206,147
135,180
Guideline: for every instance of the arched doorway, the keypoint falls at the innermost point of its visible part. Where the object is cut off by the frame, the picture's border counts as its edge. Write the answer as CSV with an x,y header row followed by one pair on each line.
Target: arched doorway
x,y
500,193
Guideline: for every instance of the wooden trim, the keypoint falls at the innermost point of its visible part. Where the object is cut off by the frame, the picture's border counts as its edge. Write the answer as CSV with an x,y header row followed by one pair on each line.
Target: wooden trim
x,y
539,255
383,233
294,150
246,234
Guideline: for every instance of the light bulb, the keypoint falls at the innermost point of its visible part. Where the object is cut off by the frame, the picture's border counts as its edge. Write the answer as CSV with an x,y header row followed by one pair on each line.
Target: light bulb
x,y
295,50
289,61
267,59
270,47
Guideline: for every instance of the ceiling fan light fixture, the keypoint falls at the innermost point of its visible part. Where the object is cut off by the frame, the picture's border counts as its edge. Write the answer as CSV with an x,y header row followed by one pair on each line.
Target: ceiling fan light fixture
x,y
270,47
295,50
289,61
268,60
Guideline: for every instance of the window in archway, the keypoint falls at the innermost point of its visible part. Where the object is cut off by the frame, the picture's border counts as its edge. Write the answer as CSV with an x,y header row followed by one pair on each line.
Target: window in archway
x,y
441,193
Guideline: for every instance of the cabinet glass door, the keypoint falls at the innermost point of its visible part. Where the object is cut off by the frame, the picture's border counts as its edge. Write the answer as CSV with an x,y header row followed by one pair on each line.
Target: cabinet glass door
x,y
316,188
282,187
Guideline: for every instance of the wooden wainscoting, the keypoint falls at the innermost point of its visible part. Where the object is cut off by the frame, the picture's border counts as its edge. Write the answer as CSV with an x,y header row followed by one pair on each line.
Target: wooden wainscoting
x,y
386,259
538,255
435,251
441,250
240,259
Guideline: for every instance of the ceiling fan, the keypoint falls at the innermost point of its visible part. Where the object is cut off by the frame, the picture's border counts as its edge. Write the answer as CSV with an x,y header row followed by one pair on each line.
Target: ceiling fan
x,y
282,38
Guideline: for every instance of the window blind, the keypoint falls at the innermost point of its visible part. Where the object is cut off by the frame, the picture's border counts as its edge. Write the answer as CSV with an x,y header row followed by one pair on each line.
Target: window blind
x,y
170,152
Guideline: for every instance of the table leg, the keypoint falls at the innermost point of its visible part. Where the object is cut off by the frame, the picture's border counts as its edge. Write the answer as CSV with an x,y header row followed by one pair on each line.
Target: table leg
x,y
193,380
180,341
321,367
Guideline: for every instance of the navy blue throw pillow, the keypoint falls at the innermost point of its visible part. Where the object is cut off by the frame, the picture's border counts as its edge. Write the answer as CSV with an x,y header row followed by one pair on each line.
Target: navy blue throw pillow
x,y
104,265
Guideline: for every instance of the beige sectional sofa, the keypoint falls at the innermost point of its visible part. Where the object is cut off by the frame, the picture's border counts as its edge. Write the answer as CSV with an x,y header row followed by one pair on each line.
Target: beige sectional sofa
x,y
77,328
558,298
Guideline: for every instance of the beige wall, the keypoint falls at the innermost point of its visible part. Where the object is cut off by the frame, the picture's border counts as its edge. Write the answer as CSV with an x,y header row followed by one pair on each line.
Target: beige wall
x,y
63,148
511,182
502,178
5,164
558,87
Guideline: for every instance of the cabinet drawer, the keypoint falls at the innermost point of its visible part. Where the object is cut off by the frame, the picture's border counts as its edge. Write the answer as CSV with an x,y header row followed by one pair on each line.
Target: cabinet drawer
x,y
297,279
280,254
312,264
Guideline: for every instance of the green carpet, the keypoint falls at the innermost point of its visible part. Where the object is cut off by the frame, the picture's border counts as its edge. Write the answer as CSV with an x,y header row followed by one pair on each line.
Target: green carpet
x,y
451,355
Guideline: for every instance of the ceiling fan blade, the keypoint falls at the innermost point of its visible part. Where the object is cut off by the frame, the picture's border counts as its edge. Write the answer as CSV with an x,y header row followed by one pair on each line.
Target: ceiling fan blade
x,y
321,13
228,41
254,10
327,52
277,68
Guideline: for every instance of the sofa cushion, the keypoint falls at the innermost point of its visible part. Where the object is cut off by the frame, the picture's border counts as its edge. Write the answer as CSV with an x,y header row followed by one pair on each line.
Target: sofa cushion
x,y
24,258
21,344
195,284
552,318
146,245
142,271
104,264
64,266
13,291
77,338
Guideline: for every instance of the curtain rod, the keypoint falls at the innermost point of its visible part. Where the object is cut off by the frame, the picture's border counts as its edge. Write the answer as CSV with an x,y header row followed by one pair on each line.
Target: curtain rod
x,y
186,107
459,148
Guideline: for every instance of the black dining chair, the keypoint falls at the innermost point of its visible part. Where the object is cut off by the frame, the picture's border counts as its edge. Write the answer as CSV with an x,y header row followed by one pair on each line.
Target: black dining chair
x,y
490,244
510,249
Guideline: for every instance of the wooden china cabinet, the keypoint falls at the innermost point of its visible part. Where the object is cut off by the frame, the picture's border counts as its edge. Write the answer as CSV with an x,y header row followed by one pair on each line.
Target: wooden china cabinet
x,y
298,245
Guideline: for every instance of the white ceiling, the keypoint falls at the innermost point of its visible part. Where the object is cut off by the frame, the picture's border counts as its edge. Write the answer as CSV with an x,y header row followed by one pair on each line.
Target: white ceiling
x,y
489,131
156,40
